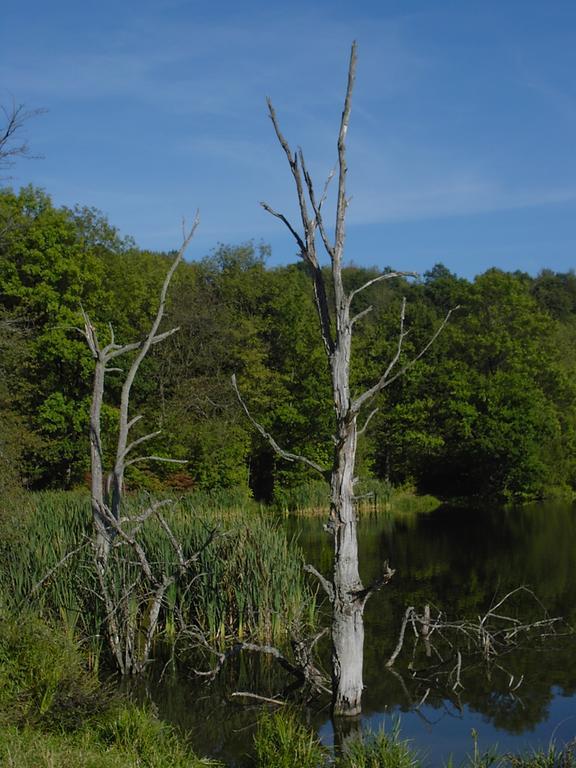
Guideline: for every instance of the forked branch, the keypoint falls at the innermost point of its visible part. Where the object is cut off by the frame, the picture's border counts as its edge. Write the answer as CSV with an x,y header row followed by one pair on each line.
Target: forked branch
x,y
267,436
326,585
387,377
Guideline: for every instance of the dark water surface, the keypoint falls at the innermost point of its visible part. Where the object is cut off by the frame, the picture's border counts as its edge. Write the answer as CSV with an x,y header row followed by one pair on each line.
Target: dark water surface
x,y
460,561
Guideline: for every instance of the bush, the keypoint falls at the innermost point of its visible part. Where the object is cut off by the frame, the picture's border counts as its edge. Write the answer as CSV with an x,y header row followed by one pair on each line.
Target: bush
x,y
54,712
378,750
281,741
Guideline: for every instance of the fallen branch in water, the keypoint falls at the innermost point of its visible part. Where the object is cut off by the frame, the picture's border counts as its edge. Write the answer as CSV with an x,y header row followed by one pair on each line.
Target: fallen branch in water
x,y
302,668
489,636
265,699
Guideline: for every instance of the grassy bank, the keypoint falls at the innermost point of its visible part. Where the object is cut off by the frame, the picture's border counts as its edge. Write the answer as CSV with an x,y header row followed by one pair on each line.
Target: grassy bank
x,y
55,712
373,496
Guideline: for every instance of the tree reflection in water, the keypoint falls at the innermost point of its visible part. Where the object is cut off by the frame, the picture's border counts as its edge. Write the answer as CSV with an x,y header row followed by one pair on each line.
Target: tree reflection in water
x,y
459,561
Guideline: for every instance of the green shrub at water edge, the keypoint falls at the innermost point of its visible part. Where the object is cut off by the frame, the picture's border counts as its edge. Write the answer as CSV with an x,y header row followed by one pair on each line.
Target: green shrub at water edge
x,y
54,712
31,748
43,678
553,757
372,495
378,750
281,741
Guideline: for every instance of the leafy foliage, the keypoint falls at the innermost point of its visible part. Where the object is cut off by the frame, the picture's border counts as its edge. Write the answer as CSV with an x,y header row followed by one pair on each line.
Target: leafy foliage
x,y
490,410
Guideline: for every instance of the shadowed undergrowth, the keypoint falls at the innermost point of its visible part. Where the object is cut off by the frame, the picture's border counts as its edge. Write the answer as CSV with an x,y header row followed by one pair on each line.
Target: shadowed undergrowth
x,y
55,712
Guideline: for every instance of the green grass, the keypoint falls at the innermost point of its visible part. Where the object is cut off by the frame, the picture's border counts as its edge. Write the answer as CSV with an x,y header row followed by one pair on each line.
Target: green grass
x,y
378,750
281,741
43,678
248,582
155,745
373,496
54,712
404,501
553,757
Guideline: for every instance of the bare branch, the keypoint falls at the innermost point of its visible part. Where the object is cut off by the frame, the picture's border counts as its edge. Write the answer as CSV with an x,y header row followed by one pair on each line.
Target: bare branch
x,y
136,546
368,420
308,252
265,699
325,190
52,571
14,120
267,436
307,243
285,221
360,315
152,338
342,203
385,381
133,421
135,345
407,616
379,279
236,649
89,333
164,335
326,585
155,458
317,207
143,516
387,573
141,440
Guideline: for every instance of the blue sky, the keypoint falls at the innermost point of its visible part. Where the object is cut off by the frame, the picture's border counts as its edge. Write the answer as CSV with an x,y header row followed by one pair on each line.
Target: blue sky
x,y
461,146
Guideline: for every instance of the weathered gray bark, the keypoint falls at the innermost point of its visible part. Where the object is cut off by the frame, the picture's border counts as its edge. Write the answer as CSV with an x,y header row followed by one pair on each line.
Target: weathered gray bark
x,y
107,488
347,606
130,633
345,591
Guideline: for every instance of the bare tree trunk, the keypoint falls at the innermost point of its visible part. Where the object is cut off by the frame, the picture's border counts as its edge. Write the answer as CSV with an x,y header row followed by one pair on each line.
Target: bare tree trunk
x,y
101,525
346,591
348,609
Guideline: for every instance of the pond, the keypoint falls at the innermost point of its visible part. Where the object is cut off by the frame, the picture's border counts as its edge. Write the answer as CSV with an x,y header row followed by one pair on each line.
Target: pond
x,y
460,561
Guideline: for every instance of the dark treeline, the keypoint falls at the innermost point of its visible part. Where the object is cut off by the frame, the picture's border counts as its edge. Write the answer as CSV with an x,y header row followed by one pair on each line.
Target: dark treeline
x,y
490,410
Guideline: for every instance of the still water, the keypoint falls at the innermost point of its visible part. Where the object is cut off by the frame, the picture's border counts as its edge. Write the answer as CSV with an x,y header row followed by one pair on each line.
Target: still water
x,y
460,562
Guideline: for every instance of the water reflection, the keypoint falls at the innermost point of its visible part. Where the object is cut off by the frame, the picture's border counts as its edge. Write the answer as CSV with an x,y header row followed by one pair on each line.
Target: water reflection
x,y
458,560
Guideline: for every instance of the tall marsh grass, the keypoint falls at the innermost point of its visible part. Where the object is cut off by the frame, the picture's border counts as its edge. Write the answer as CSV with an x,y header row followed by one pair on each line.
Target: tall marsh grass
x,y
314,497
282,741
248,582
372,496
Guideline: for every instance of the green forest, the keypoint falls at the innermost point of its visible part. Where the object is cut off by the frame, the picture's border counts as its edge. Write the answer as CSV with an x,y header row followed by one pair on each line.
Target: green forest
x,y
489,411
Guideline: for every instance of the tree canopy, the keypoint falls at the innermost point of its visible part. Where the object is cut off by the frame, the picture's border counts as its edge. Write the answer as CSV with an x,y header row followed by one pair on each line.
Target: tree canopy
x,y
491,410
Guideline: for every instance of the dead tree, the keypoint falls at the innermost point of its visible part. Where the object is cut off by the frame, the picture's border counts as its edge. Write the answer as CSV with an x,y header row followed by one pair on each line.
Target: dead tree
x,y
133,595
12,144
345,590
107,488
